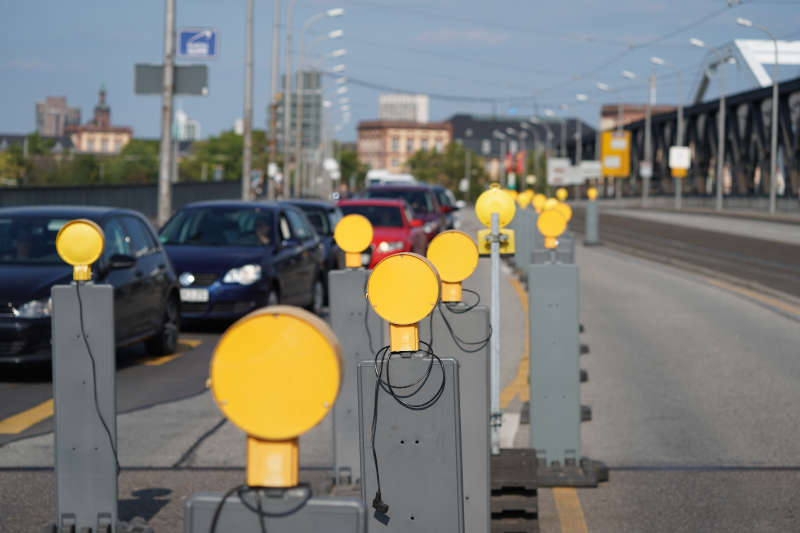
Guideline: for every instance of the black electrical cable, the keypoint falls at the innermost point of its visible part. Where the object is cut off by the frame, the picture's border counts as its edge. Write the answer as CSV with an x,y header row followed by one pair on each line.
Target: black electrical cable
x,y
465,345
243,490
383,359
453,306
366,318
94,377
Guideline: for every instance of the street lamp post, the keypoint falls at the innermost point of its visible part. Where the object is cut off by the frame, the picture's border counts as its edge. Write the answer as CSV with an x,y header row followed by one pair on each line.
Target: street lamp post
x,y
579,135
648,135
502,136
563,107
334,12
247,140
773,160
720,123
676,182
467,161
287,99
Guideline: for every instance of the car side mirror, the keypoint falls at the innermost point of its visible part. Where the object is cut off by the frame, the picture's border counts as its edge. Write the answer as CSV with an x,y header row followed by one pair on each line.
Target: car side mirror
x,y
460,204
121,261
416,223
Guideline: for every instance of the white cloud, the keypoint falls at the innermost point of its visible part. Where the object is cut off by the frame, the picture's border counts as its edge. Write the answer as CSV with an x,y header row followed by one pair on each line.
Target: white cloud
x,y
454,36
28,64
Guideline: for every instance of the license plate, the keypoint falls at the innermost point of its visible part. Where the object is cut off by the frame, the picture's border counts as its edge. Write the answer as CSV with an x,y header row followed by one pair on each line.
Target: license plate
x,y
194,295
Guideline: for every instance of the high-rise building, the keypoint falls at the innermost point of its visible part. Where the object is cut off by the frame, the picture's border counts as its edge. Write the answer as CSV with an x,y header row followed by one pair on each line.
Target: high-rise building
x,y
186,129
53,115
405,107
312,112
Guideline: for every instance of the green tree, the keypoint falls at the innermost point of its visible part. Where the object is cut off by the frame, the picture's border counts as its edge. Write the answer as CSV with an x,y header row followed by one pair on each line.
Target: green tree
x,y
349,165
136,163
448,167
12,168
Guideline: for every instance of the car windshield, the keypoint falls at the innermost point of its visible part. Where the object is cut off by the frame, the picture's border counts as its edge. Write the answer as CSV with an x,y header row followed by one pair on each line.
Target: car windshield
x,y
441,195
318,219
30,239
419,200
378,215
220,226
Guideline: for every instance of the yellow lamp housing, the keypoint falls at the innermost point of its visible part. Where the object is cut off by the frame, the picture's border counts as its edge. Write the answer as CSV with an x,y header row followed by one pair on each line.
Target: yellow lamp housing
x,y
275,374
455,257
495,200
403,289
538,202
561,194
551,203
353,234
565,210
524,198
551,224
507,246
592,194
80,242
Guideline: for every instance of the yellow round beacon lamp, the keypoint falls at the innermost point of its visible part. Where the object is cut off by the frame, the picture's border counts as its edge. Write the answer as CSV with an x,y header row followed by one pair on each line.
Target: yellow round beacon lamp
x,y
551,224
565,210
275,374
495,200
524,198
551,203
538,202
80,242
592,193
455,257
353,234
561,194
403,289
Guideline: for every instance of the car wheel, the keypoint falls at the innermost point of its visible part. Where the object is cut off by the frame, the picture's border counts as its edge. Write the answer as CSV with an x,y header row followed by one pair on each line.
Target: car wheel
x,y
165,342
273,298
317,297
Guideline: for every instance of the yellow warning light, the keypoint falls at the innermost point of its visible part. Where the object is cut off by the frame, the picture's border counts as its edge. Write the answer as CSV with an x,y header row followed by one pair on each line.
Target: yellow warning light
x,y
80,242
403,289
551,224
513,193
524,198
538,202
455,257
275,374
591,193
565,210
551,203
561,194
353,234
495,200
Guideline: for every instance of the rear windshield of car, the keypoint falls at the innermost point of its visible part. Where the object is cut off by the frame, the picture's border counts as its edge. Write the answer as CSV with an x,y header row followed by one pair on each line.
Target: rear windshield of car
x,y
318,218
419,200
217,226
379,215
30,239
441,195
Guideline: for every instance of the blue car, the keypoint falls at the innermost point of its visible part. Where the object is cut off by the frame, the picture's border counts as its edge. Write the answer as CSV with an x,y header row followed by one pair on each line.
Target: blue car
x,y
232,257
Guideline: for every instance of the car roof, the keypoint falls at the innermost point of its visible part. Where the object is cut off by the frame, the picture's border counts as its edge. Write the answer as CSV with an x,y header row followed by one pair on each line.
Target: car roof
x,y
235,203
68,211
388,202
394,187
303,202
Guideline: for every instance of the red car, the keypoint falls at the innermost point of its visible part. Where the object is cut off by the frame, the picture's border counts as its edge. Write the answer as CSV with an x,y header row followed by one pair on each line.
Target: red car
x,y
393,224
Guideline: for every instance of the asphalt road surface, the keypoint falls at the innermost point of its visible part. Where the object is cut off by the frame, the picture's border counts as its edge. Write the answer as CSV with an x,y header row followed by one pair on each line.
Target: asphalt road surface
x,y
694,385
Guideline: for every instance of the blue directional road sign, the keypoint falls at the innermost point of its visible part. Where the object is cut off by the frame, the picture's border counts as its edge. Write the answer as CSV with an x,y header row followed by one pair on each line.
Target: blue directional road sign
x,y
197,43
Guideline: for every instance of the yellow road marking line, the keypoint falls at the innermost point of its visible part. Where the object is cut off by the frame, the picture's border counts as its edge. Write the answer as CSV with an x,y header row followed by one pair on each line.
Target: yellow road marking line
x,y
22,421
184,345
772,302
519,385
570,513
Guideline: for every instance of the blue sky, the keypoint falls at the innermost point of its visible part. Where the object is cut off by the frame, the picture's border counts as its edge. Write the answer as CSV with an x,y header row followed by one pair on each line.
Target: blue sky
x,y
530,50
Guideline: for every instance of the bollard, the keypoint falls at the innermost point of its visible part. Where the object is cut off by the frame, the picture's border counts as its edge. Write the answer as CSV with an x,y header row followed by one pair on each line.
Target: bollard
x,y
555,410
84,365
591,218
461,330
409,410
495,209
521,227
275,374
354,326
565,251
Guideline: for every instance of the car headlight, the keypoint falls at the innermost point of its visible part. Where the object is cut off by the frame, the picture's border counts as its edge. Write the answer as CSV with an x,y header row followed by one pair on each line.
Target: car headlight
x,y
390,246
35,309
430,227
243,275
